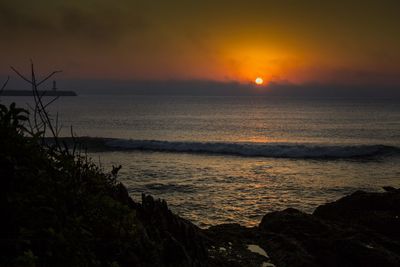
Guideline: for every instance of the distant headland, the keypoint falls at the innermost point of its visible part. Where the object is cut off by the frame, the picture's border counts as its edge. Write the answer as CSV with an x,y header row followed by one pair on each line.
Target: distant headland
x,y
52,92
41,93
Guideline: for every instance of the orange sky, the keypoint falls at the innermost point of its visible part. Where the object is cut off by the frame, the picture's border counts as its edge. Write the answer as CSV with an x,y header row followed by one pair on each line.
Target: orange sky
x,y
341,42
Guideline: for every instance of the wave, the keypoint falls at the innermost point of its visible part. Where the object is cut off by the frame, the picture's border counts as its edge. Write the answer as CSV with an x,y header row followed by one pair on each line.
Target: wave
x,y
272,150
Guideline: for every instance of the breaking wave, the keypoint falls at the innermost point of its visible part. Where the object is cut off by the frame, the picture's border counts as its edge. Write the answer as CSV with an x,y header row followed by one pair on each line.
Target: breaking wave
x,y
272,150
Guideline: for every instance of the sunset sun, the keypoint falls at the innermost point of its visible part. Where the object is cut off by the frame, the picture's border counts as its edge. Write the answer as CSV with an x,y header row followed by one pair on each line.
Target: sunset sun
x,y
214,133
259,81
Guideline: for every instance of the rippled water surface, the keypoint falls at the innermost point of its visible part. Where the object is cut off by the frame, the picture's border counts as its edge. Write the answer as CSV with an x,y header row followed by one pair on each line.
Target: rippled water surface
x,y
220,189
232,159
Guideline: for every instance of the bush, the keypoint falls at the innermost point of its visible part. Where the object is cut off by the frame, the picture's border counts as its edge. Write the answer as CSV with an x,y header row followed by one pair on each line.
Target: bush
x,y
58,209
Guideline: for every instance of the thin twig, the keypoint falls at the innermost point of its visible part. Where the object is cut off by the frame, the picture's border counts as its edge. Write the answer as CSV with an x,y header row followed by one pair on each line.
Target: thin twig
x,y
4,85
51,101
42,110
48,77
73,141
41,117
58,133
34,110
20,75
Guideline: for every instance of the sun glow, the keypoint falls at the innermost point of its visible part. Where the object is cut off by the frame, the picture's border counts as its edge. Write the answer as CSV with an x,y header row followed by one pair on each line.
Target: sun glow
x,y
259,81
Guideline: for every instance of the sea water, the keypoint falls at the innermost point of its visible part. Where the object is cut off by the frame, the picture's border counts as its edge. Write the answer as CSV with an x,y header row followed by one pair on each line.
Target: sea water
x,y
233,159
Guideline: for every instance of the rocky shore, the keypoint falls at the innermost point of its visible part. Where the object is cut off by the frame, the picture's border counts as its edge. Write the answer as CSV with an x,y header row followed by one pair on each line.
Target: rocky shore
x,y
362,229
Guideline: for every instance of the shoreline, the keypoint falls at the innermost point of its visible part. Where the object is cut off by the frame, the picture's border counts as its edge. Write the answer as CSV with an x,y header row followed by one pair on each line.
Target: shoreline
x,y
361,229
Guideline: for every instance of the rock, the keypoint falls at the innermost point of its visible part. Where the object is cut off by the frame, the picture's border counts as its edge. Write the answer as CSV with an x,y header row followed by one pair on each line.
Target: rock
x,y
121,194
230,233
379,212
389,189
182,243
361,229
342,233
287,235
294,222
347,232
229,246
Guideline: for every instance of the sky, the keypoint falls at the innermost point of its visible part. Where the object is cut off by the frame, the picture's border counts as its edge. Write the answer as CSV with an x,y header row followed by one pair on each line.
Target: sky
x,y
347,43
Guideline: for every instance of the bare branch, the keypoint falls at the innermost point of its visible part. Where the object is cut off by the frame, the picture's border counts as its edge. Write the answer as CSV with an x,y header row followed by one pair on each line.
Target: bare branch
x,y
4,85
56,126
20,75
48,77
43,112
42,120
73,141
51,101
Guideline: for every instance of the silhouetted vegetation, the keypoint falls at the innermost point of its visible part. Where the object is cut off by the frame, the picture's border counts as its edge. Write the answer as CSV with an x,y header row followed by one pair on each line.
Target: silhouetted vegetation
x,y
60,209
56,208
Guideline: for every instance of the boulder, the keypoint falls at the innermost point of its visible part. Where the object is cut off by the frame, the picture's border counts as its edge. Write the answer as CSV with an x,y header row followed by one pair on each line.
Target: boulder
x,y
379,212
347,232
181,243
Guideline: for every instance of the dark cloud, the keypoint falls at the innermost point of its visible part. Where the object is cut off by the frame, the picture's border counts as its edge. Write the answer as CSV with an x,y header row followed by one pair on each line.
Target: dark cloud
x,y
96,20
360,76
16,20
215,88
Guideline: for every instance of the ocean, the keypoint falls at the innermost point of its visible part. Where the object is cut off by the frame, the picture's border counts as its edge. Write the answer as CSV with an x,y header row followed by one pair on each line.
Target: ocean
x,y
233,159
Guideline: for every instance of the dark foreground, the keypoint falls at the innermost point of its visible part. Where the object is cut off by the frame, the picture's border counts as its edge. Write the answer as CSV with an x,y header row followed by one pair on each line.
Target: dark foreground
x,y
362,229
59,209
